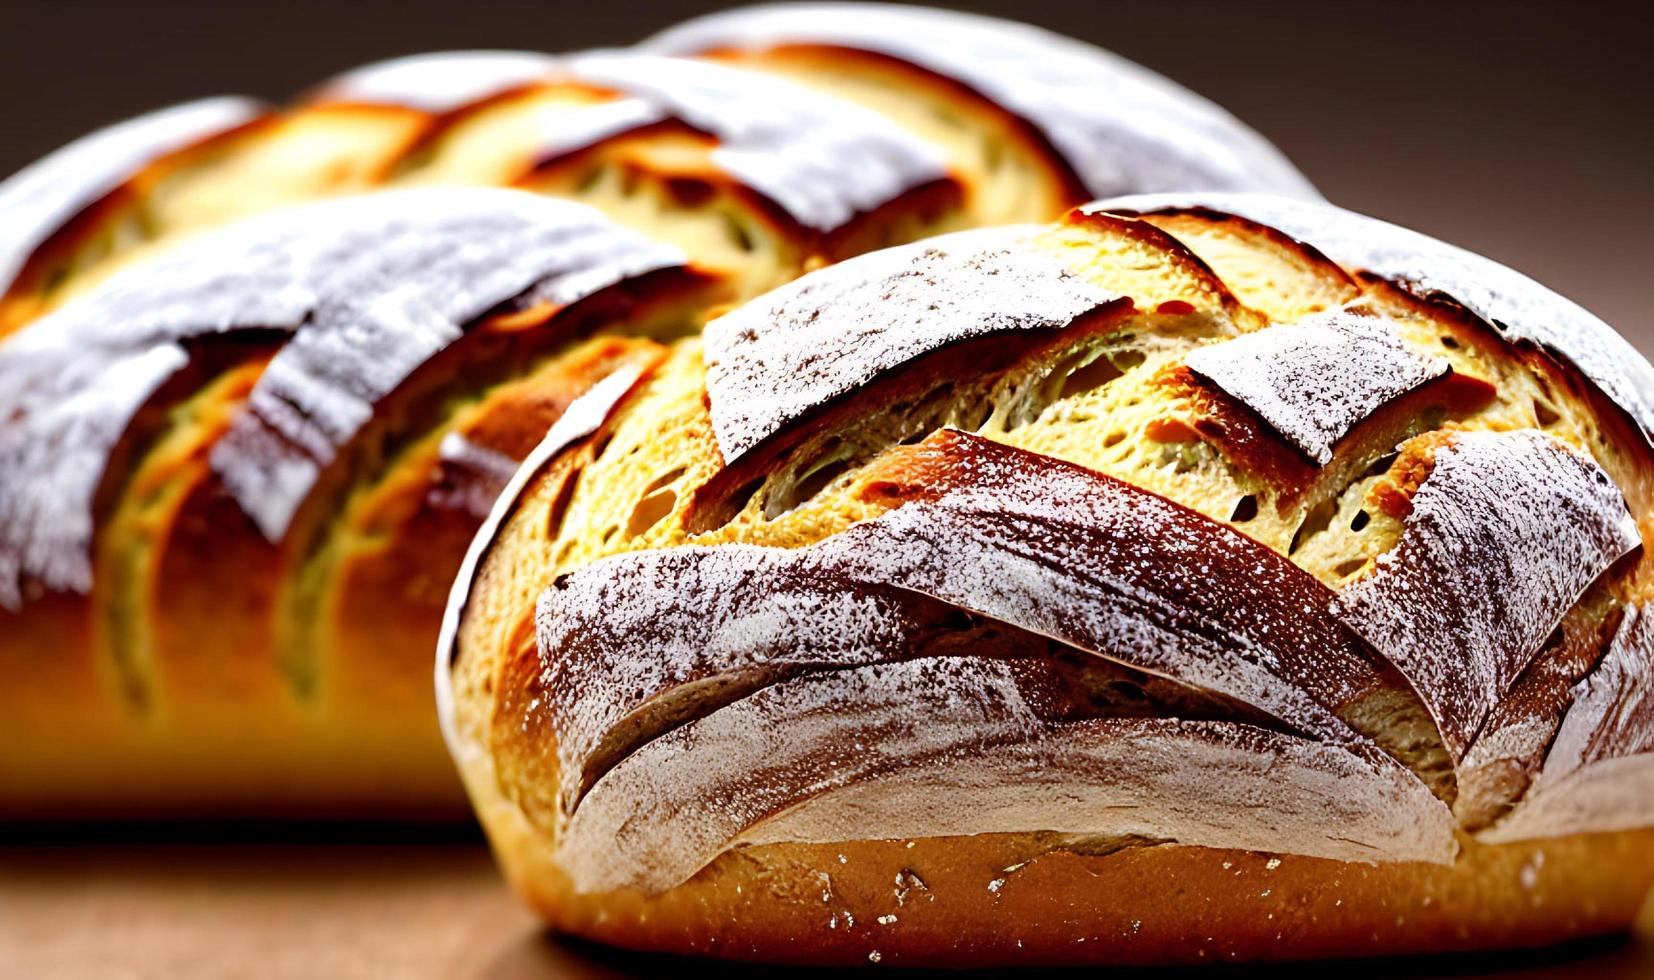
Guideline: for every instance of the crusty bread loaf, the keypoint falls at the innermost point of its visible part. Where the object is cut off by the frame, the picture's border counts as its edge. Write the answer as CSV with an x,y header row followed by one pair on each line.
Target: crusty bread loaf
x,y
1036,120
250,415
953,121
238,477
1199,577
753,174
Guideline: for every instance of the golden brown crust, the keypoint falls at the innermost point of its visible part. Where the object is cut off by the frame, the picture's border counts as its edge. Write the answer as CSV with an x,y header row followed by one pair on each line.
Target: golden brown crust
x,y
1015,900
1048,177
340,142
1268,261
1159,905
223,664
949,369
1032,896
139,696
26,296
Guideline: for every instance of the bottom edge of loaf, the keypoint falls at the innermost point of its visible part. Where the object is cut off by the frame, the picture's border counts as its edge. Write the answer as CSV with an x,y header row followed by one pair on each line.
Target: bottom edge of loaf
x,y
1000,900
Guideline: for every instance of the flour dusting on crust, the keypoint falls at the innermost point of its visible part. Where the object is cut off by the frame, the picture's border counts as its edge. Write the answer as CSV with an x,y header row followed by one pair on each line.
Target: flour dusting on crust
x,y
38,200
1599,775
783,742
826,756
823,160
438,82
415,294
826,334
1314,380
1013,537
1104,566
1119,126
1201,783
1517,305
369,287
1504,536
621,634
1613,708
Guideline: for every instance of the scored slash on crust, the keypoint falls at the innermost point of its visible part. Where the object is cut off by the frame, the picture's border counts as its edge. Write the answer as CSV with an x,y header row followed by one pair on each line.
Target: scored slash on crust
x,y
367,288
1017,537
1117,125
1316,379
1518,306
1613,708
820,159
39,200
665,671
826,334
583,417
1504,536
1599,774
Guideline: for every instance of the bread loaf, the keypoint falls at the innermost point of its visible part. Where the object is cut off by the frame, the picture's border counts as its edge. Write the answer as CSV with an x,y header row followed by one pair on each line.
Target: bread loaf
x,y
1034,118
267,369
750,173
1199,577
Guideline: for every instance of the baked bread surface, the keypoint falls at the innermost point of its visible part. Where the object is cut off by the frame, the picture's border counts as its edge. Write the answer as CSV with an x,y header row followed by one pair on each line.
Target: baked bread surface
x,y
264,369
1198,577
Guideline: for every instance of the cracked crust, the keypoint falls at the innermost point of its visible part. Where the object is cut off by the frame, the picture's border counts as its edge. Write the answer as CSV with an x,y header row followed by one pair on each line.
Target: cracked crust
x,y
883,612
240,462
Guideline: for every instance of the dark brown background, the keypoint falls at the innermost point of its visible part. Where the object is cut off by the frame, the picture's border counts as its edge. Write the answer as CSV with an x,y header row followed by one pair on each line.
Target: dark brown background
x,y
1518,129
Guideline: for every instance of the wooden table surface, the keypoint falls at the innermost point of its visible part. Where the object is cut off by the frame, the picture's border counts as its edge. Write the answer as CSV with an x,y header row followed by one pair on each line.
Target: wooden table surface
x,y
264,908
